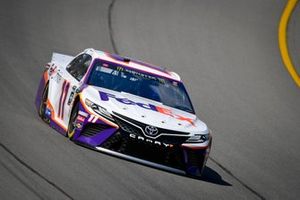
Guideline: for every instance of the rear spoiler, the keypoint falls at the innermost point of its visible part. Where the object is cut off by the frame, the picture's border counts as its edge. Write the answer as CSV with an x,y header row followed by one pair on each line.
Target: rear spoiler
x,y
61,59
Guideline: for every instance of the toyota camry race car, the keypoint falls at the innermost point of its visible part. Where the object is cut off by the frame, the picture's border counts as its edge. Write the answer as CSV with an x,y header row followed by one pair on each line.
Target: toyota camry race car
x,y
124,107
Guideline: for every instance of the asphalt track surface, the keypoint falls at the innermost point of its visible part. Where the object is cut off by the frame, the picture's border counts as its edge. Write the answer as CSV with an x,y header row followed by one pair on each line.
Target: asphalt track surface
x,y
227,54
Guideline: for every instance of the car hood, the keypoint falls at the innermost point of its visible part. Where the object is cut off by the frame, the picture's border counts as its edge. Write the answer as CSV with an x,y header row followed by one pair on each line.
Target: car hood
x,y
144,110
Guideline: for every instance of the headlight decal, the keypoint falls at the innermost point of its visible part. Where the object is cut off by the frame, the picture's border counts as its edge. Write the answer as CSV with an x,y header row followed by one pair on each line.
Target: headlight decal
x,y
198,138
89,110
99,109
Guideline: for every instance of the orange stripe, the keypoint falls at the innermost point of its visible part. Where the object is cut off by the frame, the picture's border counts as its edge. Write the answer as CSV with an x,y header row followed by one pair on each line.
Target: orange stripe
x,y
46,77
193,147
49,105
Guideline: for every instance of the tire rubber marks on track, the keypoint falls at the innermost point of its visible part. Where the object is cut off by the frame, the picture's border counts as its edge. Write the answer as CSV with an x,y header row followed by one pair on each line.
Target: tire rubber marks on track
x,y
282,38
35,171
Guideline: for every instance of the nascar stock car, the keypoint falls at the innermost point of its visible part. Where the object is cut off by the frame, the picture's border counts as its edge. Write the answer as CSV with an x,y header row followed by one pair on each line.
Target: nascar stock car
x,y
126,108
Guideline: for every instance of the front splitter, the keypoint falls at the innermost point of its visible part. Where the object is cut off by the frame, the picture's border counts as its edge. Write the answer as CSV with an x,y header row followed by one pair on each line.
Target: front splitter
x,y
141,161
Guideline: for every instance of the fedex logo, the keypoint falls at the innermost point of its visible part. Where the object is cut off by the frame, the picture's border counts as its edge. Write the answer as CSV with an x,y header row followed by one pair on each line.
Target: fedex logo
x,y
106,96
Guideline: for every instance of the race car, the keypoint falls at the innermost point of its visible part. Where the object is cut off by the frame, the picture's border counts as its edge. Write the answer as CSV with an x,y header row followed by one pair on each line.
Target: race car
x,y
124,107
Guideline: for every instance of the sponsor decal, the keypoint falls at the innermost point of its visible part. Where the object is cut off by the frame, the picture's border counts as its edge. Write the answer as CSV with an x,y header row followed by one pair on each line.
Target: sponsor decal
x,y
48,112
84,114
52,70
151,130
146,140
106,96
80,118
57,78
71,97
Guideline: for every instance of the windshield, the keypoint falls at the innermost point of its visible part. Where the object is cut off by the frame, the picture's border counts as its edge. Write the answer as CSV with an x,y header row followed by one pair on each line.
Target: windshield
x,y
122,79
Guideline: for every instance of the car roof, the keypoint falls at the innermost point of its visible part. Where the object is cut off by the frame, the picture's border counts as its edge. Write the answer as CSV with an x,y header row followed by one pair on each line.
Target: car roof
x,y
135,64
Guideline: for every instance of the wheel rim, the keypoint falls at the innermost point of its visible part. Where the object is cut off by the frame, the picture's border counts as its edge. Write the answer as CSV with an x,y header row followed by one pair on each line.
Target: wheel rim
x,y
72,123
43,105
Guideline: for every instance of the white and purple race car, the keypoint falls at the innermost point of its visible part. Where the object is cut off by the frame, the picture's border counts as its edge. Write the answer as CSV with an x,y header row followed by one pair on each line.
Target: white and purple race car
x,y
126,108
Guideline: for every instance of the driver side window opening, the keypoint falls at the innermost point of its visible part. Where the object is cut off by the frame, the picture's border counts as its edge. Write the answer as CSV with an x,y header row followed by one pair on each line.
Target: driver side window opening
x,y
79,65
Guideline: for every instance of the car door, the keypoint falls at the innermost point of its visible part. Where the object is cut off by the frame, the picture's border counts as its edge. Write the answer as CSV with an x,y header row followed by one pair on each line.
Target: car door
x,y
69,79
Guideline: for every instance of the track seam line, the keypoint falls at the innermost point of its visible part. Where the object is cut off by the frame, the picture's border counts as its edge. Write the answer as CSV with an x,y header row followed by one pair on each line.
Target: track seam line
x,y
35,171
21,181
237,179
111,35
110,29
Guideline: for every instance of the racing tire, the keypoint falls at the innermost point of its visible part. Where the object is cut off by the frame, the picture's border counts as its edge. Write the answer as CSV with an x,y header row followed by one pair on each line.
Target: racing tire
x,y
43,105
72,121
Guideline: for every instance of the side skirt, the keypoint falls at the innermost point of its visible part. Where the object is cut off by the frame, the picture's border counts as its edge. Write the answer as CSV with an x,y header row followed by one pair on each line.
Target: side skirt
x,y
57,127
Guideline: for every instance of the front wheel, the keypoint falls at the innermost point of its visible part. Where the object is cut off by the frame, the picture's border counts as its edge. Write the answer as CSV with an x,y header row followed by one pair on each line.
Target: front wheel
x,y
72,122
43,105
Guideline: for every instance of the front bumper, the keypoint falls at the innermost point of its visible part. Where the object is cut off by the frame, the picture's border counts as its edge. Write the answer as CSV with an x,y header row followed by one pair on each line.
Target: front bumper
x,y
177,156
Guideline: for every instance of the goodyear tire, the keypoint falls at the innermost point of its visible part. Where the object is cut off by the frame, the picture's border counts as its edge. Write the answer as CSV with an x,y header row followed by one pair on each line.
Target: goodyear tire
x,y
43,105
72,121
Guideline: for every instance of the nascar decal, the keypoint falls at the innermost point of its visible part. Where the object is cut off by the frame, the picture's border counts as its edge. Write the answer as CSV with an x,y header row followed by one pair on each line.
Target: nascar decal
x,y
80,118
105,97
93,118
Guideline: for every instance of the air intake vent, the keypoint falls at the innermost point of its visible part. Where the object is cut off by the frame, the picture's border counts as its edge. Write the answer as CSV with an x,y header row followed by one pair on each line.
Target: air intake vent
x,y
92,129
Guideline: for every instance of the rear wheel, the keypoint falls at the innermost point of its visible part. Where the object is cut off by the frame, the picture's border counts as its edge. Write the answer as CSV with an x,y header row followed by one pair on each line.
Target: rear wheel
x,y
43,105
72,121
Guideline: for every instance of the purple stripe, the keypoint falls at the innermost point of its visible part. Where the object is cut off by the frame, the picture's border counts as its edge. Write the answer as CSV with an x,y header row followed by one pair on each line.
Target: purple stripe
x,y
65,97
127,67
61,95
120,58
